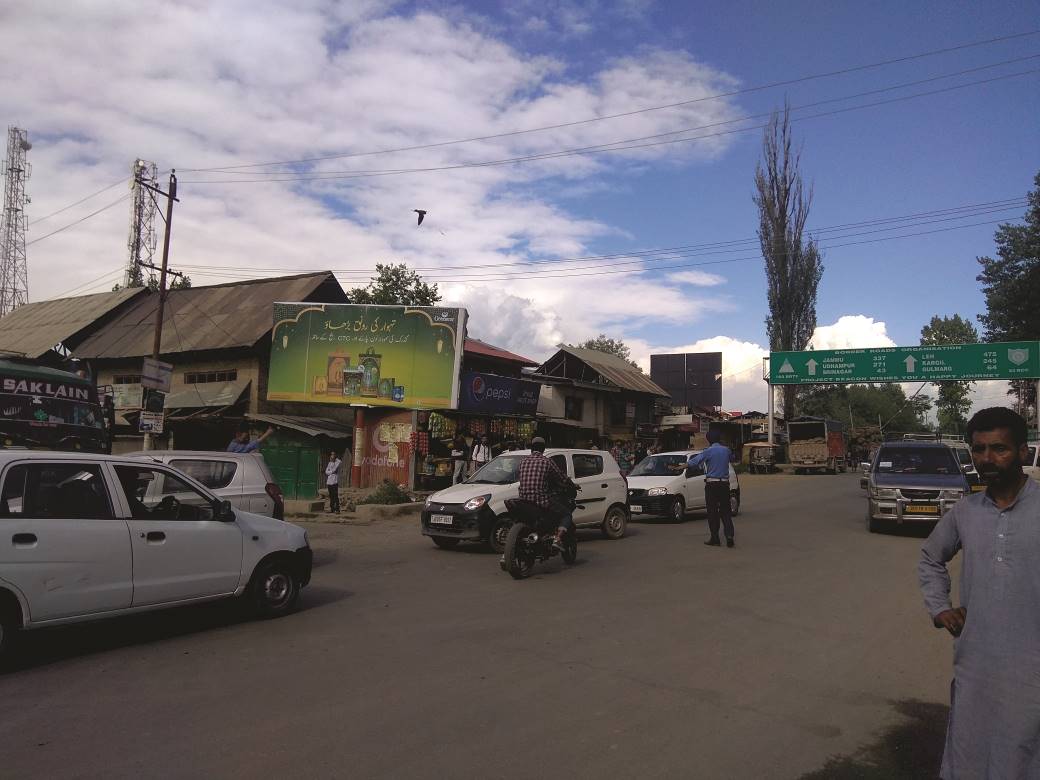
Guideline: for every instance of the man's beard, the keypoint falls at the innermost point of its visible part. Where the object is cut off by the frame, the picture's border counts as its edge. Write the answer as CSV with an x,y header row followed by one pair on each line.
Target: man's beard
x,y
1002,477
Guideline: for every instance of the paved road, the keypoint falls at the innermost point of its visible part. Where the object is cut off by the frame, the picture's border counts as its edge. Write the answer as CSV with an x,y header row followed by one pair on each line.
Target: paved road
x,y
804,650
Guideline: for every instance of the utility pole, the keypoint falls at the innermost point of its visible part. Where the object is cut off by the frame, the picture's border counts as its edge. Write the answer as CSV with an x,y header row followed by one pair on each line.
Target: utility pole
x,y
14,271
171,196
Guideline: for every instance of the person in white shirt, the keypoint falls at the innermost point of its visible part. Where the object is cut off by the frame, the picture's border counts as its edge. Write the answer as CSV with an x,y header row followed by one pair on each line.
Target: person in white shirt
x,y
481,454
332,481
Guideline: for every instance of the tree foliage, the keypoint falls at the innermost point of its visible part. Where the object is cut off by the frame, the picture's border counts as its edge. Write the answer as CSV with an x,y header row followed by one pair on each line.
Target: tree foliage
x,y
867,406
181,282
954,401
395,284
1011,285
617,347
793,265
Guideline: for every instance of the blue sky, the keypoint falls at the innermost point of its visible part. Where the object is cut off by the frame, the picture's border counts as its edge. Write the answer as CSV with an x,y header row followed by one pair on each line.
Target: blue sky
x,y
238,83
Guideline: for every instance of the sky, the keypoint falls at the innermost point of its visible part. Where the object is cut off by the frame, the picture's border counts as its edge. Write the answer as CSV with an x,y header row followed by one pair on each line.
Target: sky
x,y
371,109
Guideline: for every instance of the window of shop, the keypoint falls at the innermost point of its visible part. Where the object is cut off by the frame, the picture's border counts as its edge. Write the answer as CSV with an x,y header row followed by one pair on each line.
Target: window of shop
x,y
126,379
573,408
617,413
587,465
204,377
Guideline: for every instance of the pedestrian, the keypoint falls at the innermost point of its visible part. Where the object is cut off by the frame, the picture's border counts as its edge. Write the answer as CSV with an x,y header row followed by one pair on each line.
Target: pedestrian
x,y
481,454
994,725
716,487
459,456
332,480
241,442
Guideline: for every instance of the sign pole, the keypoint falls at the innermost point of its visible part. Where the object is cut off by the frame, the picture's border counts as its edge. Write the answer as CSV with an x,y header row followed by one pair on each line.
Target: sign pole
x,y
772,407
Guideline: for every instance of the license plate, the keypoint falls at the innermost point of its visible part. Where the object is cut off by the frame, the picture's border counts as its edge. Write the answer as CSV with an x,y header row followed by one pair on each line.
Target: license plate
x,y
442,519
977,488
921,509
635,508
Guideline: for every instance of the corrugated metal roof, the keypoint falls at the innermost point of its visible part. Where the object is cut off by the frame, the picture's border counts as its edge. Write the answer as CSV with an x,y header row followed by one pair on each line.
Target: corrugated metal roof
x,y
33,329
616,370
312,426
478,347
220,316
207,394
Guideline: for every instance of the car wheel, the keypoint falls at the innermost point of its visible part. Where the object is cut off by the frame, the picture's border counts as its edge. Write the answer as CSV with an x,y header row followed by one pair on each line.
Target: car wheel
x,y
615,523
874,526
9,625
677,512
734,504
445,542
274,590
499,531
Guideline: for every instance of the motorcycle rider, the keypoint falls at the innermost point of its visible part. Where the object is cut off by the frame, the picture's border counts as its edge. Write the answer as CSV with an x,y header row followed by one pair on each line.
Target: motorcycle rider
x,y
542,483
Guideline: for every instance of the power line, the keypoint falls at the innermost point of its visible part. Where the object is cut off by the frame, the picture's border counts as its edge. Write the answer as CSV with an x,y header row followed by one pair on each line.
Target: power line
x,y
614,146
78,221
87,285
633,112
690,250
81,200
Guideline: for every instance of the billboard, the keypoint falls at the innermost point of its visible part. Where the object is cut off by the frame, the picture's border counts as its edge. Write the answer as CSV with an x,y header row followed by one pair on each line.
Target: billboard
x,y
490,394
691,379
338,353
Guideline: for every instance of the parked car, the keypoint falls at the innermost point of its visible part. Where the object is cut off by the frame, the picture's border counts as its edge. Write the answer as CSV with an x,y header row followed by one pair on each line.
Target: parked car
x,y
92,536
243,478
662,484
475,510
913,482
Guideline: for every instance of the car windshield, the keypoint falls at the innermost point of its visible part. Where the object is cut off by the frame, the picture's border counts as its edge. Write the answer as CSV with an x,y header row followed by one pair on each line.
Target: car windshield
x,y
503,470
660,466
963,455
916,460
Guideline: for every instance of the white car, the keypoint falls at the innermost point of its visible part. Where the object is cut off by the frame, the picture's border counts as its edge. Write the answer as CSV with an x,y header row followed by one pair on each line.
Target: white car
x,y
475,510
94,536
243,478
661,484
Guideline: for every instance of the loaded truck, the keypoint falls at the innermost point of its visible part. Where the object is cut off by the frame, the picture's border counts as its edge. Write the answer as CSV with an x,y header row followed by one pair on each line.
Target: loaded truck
x,y
816,444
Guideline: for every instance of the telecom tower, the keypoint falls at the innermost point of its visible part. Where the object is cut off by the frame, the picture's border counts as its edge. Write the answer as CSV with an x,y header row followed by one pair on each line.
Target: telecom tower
x,y
142,240
14,273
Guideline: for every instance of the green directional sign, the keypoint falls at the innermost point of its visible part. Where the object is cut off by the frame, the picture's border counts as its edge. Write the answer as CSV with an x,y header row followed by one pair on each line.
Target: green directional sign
x,y
1007,360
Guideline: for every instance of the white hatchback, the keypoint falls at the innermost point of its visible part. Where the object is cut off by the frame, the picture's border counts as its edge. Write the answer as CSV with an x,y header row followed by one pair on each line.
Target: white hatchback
x,y
475,510
661,484
92,536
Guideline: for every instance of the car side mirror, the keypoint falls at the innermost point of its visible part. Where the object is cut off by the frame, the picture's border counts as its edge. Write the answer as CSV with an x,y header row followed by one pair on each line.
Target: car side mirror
x,y
224,512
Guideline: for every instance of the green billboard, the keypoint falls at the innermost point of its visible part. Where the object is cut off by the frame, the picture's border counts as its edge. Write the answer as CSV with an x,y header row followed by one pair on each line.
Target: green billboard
x,y
967,362
399,356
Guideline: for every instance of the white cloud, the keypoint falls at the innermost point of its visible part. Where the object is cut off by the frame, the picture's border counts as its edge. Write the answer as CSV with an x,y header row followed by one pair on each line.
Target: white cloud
x,y
851,331
697,278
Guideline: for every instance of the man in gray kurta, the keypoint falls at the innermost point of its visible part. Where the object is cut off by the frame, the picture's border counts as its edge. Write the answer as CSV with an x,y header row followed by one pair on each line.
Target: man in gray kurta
x,y
994,727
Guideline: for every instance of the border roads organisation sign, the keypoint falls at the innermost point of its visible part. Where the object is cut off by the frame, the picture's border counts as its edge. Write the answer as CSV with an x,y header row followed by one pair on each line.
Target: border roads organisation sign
x,y
960,362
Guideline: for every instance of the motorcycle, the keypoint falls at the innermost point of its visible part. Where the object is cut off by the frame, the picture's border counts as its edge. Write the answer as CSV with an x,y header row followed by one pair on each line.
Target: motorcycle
x,y
530,539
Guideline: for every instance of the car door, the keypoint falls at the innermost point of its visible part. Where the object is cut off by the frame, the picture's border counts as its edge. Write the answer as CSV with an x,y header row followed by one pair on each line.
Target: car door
x,y
693,487
180,550
61,544
589,475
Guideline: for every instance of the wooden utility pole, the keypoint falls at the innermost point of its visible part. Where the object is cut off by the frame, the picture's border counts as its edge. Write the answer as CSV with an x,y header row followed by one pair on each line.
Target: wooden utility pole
x,y
171,196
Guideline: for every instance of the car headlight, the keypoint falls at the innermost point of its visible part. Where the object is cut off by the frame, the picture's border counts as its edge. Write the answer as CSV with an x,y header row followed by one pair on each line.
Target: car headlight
x,y
658,491
429,501
951,495
881,493
475,503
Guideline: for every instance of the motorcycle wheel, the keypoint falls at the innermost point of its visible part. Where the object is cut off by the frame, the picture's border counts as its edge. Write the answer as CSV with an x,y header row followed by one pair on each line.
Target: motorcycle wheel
x,y
519,557
570,549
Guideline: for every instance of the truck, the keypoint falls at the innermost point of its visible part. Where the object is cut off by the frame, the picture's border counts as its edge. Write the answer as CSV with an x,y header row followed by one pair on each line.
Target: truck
x,y
816,444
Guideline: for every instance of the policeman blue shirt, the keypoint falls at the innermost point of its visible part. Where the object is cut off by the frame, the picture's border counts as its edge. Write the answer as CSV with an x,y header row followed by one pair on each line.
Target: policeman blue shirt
x,y
237,446
715,460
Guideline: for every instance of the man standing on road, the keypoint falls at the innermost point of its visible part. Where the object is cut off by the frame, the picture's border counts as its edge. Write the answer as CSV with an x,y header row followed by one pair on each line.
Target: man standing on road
x,y
716,487
994,726
332,481
241,441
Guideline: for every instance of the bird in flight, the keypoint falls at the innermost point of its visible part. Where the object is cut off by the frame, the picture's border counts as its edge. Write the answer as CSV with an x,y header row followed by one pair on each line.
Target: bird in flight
x,y
421,213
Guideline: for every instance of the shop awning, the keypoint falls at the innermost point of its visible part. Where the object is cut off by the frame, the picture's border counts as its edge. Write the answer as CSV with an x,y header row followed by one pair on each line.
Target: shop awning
x,y
207,394
312,426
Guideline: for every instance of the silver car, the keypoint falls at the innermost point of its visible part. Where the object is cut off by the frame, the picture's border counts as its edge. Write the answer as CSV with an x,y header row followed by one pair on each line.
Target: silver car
x,y
243,478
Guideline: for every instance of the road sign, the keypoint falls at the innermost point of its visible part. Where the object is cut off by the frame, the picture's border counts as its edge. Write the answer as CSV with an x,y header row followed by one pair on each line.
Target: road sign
x,y
967,362
156,374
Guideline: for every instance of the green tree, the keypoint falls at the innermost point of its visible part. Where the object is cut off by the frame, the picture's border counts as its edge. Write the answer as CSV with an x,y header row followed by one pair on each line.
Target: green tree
x,y
867,406
180,282
793,265
954,401
1011,285
395,284
617,347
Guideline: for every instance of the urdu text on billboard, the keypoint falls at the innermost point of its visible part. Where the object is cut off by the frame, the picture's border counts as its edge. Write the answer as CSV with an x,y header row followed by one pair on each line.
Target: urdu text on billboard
x,y
398,356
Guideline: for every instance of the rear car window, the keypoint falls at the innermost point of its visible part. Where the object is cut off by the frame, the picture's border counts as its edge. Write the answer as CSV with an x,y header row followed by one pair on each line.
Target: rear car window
x,y
560,461
55,491
214,474
587,465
